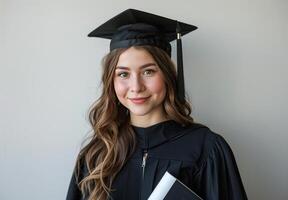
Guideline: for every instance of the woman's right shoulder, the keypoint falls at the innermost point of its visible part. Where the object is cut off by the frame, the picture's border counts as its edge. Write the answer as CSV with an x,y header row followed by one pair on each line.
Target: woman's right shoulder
x,y
79,172
81,169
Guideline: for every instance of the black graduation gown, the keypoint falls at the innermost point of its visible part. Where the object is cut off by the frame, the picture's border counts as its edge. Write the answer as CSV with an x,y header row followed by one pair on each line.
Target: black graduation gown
x,y
199,158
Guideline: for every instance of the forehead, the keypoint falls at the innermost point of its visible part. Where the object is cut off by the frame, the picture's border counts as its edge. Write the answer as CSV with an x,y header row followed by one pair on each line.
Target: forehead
x,y
135,57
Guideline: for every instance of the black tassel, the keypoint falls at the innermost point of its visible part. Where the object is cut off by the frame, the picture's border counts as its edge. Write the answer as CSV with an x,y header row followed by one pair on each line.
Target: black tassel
x,y
180,71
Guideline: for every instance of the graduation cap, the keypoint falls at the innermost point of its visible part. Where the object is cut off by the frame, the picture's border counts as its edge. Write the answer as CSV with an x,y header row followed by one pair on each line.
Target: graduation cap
x,y
135,28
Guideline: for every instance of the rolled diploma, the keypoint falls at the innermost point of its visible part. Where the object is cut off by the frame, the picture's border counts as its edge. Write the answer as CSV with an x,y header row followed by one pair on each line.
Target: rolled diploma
x,y
163,187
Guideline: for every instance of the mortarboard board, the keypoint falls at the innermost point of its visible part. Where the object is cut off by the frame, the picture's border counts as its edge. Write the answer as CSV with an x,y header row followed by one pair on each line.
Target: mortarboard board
x,y
135,28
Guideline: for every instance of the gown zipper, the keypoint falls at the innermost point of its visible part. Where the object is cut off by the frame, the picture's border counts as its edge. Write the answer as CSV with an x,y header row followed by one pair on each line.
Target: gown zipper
x,y
145,155
144,159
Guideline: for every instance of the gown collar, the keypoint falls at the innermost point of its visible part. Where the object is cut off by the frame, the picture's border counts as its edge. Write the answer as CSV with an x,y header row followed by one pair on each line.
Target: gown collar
x,y
157,134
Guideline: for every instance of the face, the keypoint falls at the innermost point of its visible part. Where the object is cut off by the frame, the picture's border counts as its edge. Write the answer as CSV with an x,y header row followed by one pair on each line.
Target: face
x,y
139,84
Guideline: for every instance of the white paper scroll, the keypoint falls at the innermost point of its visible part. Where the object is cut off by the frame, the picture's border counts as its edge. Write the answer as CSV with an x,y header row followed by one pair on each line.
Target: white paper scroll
x,y
163,187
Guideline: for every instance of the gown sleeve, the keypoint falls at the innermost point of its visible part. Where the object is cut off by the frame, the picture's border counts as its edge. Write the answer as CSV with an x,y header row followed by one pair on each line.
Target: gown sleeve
x,y
218,177
74,192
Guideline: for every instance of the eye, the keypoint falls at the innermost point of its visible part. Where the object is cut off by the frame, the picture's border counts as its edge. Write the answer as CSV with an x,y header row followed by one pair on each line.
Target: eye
x,y
122,74
149,72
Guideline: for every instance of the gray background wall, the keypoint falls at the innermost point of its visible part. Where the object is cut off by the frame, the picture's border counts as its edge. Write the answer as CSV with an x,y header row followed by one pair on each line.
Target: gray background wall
x,y
236,76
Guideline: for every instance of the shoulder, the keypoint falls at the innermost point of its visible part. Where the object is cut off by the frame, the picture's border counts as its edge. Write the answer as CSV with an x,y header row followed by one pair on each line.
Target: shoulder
x,y
216,167
187,143
200,134
213,147
203,134
203,140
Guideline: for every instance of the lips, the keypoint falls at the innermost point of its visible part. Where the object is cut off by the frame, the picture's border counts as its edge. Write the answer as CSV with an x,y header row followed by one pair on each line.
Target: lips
x,y
139,100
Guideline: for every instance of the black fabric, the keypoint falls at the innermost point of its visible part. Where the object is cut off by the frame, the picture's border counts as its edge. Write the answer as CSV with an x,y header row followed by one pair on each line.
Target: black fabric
x,y
199,158
137,28
180,192
132,16
139,34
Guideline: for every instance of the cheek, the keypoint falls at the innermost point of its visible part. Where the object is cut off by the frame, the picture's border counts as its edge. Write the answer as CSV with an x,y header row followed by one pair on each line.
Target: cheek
x,y
120,88
157,85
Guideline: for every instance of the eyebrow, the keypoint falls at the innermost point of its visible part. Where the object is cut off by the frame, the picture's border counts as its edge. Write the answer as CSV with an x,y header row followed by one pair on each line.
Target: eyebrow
x,y
141,67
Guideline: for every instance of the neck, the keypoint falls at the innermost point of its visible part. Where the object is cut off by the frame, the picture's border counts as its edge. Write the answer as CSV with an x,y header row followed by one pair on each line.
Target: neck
x,y
147,120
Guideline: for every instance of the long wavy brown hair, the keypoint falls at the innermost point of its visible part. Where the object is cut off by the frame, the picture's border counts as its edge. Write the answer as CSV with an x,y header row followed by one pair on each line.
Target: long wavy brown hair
x,y
112,141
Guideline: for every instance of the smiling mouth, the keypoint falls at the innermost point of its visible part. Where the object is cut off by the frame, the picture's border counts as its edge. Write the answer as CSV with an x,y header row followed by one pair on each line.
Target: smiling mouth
x,y
139,100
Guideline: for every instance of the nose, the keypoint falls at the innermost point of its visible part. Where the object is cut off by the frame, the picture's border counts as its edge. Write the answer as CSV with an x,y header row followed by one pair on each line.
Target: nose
x,y
137,84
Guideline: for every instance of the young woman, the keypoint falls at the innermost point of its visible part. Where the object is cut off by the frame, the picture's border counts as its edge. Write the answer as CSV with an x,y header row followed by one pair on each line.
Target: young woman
x,y
143,128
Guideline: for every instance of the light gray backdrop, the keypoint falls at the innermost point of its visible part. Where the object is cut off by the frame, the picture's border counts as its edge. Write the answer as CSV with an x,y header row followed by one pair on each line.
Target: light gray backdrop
x,y
236,76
